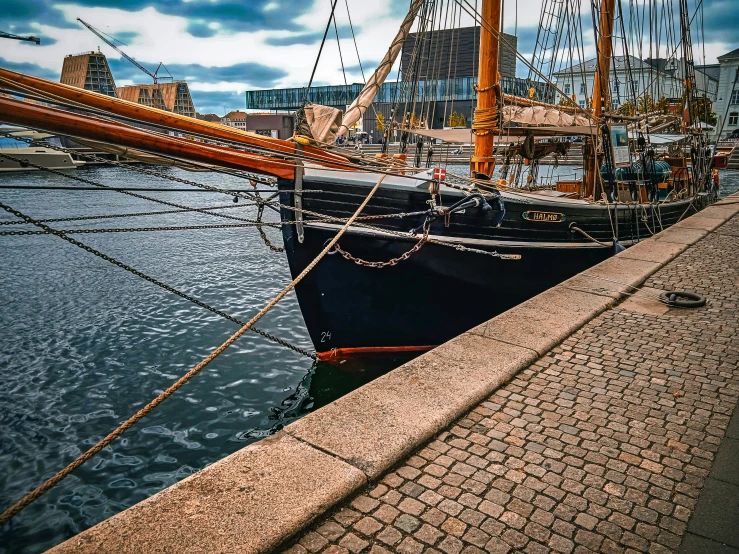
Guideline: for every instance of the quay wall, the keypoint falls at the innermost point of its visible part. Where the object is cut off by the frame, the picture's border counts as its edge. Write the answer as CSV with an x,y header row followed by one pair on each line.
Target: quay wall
x,y
256,498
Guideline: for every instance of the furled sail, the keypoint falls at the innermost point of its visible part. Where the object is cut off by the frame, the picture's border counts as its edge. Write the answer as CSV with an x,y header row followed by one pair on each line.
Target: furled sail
x,y
324,122
541,115
365,98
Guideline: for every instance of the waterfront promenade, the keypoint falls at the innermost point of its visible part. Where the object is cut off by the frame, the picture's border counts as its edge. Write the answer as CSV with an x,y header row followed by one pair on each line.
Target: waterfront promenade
x,y
603,444
583,420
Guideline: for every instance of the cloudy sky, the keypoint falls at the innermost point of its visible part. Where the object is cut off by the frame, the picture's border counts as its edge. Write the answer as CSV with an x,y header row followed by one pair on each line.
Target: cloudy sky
x,y
224,47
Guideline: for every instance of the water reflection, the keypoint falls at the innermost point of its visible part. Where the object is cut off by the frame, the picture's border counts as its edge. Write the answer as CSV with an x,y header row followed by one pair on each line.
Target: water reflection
x,y
324,383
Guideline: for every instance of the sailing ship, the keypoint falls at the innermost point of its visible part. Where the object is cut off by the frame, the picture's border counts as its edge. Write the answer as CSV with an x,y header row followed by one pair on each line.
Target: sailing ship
x,y
433,253
501,245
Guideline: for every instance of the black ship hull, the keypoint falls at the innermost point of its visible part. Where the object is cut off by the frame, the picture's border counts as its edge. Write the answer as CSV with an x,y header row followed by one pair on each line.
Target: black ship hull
x,y
440,291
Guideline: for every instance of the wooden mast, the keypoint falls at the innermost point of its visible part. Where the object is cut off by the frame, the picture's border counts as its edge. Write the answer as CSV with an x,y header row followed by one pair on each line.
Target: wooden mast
x,y
155,116
484,124
75,125
601,88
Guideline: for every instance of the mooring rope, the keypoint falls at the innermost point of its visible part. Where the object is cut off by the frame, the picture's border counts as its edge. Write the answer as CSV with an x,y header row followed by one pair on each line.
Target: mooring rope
x,y
62,474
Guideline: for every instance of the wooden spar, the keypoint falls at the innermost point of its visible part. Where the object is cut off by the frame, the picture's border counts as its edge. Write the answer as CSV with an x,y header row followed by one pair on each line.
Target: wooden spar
x,y
160,117
601,92
485,120
71,124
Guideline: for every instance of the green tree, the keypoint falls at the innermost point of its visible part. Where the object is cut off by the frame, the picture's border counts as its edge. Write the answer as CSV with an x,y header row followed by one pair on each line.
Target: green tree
x,y
380,122
645,103
627,108
565,101
457,120
663,105
703,110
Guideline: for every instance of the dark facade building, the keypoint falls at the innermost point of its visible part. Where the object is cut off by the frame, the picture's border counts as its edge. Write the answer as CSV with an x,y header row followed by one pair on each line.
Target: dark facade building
x,y
451,53
437,80
275,125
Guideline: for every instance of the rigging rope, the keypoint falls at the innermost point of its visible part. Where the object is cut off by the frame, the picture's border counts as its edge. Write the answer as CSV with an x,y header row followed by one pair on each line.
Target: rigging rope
x,y
59,476
318,57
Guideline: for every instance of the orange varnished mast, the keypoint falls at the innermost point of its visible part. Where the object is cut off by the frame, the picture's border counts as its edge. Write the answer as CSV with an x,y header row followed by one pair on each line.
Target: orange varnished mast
x,y
75,125
155,116
601,88
484,122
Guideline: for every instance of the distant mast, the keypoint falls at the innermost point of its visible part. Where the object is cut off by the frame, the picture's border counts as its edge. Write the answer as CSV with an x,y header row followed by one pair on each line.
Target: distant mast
x,y
484,123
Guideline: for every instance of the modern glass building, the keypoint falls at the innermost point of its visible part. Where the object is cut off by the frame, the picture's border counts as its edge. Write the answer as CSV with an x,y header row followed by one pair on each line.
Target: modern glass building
x,y
446,96
454,56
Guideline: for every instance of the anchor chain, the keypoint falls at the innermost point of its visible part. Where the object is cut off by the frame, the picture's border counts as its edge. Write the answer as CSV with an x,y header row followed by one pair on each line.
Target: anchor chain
x,y
389,263
260,230
143,229
137,214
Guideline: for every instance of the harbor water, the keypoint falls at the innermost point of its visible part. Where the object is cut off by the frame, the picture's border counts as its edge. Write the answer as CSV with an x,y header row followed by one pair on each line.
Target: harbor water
x,y
85,344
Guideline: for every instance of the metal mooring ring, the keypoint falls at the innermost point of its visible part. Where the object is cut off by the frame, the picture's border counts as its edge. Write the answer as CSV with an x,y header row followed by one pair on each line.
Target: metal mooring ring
x,y
683,299
332,251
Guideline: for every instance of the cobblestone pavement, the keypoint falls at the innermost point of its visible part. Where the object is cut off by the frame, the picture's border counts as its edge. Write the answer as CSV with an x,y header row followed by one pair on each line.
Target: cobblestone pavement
x,y
602,445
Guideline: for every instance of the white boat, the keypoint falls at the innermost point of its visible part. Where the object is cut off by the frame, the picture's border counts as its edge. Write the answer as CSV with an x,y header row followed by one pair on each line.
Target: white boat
x,y
37,153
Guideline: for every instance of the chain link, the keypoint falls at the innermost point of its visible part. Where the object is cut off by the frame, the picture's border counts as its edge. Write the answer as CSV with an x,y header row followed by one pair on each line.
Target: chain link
x,y
152,280
319,216
389,263
144,229
137,214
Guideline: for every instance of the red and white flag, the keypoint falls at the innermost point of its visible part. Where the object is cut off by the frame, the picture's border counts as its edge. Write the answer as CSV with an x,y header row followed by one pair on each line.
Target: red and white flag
x,y
439,173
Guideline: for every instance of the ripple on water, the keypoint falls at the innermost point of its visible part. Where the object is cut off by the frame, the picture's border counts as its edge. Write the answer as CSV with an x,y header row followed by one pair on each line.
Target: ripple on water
x,y
86,344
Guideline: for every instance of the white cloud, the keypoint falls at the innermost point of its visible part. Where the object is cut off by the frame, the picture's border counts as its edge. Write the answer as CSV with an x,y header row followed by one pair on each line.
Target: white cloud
x,y
165,38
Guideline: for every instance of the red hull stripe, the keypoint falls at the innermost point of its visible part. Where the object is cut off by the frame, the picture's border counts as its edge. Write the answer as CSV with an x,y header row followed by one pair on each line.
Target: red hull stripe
x,y
338,353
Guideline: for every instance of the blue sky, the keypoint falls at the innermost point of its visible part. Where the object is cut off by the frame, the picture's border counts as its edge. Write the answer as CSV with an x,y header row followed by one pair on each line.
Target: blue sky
x,y
224,47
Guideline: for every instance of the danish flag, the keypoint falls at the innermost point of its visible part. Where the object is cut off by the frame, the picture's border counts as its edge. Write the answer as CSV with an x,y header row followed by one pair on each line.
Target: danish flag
x,y
439,173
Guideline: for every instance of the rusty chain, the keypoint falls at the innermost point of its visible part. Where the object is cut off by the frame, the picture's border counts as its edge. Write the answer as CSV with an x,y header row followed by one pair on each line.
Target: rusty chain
x,y
319,216
144,229
152,280
136,214
389,263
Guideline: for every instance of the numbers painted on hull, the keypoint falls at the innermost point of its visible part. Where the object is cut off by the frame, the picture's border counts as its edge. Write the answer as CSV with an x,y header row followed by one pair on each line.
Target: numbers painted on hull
x,y
325,335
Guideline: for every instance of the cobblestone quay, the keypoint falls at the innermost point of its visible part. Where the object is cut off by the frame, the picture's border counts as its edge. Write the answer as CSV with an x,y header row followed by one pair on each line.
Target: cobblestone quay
x,y
601,445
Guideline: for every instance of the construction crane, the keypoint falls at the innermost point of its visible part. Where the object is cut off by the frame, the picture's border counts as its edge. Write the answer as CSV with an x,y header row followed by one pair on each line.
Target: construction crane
x,y
3,34
103,36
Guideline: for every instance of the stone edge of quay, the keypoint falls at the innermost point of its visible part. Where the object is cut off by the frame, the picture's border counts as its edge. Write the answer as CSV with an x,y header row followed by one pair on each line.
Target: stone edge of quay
x,y
256,498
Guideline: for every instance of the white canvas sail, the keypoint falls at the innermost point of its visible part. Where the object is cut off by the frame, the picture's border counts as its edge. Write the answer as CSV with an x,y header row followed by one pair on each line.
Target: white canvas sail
x,y
365,98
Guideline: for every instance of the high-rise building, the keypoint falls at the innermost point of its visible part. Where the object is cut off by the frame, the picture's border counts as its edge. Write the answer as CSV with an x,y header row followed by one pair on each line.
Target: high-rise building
x,y
172,97
453,53
89,71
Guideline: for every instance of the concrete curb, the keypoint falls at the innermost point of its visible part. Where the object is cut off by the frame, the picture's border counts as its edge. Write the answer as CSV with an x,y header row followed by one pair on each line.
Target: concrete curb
x,y
254,499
